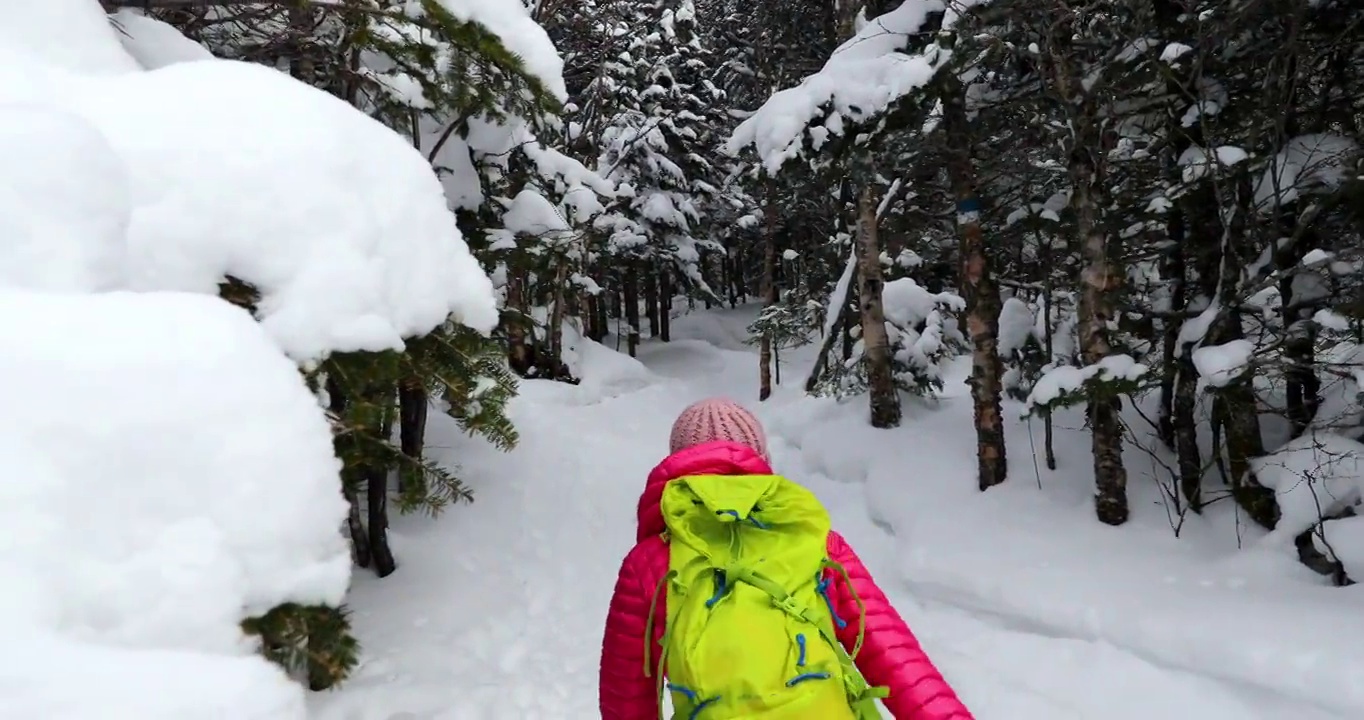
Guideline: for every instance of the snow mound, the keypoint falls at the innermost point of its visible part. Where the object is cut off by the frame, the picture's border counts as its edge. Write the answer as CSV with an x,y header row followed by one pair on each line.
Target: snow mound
x,y
1313,475
64,203
73,35
56,679
170,475
155,44
173,460
1306,164
338,222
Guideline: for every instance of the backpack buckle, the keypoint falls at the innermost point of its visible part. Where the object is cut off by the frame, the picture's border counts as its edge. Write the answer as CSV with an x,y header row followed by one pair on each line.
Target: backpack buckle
x,y
788,605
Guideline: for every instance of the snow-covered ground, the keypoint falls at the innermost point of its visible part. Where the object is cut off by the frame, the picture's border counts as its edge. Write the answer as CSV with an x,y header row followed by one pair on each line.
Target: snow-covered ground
x,y
1031,608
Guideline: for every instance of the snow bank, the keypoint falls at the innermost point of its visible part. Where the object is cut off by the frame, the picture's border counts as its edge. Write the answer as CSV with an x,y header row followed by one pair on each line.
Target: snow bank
x,y
1307,163
72,35
1313,475
154,44
337,220
49,677
862,79
64,203
170,475
1034,561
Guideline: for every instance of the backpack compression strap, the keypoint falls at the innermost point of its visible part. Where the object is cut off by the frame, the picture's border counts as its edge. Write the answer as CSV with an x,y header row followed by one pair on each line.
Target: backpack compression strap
x,y
861,695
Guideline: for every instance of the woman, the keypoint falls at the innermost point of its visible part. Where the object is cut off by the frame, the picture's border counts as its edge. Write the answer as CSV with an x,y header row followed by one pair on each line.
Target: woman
x,y
719,437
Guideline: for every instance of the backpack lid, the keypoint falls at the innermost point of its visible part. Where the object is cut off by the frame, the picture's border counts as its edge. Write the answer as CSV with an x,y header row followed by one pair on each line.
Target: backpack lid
x,y
731,498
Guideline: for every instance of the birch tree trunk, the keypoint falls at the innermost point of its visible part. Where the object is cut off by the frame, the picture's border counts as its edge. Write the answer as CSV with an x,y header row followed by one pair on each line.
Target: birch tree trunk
x,y
1100,278
979,290
885,401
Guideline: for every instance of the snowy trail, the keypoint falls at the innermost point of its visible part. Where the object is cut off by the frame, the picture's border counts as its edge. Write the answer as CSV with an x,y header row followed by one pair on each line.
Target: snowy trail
x,y
496,611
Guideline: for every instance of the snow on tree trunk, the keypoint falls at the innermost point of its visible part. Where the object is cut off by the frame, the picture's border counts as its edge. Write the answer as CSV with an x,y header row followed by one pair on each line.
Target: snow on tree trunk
x,y
980,292
885,401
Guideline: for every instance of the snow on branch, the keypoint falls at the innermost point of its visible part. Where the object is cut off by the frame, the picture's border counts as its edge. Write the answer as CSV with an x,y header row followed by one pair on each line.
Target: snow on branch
x,y
333,218
1065,385
863,78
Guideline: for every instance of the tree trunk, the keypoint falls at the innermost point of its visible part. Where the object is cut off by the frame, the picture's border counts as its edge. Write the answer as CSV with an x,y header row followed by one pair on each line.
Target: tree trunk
x,y
350,480
650,280
665,294
1239,411
981,293
769,293
518,348
601,327
1188,456
1100,281
1100,278
731,284
1049,346
554,361
739,293
1302,387
885,401
301,65
1174,271
631,302
376,482
412,408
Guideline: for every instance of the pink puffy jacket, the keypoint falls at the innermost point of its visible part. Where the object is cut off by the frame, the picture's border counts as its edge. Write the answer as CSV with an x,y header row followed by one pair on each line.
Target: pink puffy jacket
x,y
890,657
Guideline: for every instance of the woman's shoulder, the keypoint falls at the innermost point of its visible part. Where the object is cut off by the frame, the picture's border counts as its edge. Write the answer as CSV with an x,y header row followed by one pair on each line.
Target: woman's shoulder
x,y
648,558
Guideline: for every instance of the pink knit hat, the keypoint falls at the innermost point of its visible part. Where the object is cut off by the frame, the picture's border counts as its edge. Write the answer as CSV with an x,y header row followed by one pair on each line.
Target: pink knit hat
x,y
717,419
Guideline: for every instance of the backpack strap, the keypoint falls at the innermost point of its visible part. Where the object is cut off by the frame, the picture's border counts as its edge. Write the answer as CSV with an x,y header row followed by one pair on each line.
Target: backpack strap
x,y
837,567
649,669
648,625
861,695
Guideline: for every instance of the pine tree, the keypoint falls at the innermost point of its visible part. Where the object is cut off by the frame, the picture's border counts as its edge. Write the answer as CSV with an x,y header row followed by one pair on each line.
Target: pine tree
x,y
415,67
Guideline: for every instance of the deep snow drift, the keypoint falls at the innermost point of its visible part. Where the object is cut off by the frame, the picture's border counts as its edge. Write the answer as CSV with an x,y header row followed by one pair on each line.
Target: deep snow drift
x,y
1030,608
167,474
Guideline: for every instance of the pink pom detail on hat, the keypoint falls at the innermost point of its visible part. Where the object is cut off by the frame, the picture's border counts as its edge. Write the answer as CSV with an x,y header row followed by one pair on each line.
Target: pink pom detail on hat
x,y
717,419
